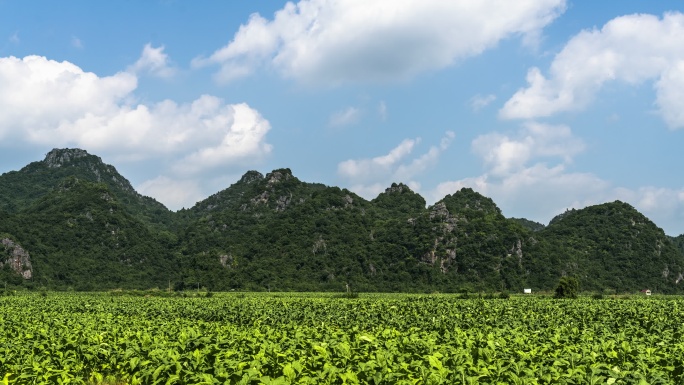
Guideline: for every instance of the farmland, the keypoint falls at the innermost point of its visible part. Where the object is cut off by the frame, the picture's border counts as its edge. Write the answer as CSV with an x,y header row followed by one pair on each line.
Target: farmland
x,y
232,338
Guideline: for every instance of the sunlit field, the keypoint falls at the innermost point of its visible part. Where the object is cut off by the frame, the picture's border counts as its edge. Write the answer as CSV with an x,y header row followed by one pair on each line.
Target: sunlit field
x,y
279,338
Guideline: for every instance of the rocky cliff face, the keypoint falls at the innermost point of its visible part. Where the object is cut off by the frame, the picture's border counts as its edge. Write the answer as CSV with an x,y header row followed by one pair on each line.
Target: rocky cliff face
x,y
59,158
18,259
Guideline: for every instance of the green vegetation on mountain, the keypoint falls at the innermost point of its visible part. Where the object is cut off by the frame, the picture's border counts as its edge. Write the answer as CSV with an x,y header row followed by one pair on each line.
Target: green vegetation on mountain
x,y
678,241
613,247
81,225
80,236
528,224
20,189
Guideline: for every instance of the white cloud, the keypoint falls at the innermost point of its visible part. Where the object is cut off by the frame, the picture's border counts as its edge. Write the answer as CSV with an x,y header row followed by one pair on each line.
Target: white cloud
x,y
528,176
631,49
536,192
14,38
348,116
479,102
509,172
153,61
504,155
369,169
175,194
57,104
539,193
670,97
368,177
334,42
37,94
243,140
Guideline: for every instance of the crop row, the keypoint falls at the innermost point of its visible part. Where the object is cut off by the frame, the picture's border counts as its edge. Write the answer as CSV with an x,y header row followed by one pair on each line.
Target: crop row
x,y
283,339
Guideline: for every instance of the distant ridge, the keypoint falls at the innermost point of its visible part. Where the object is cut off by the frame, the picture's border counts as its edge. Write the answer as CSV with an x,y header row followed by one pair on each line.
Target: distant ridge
x,y
75,222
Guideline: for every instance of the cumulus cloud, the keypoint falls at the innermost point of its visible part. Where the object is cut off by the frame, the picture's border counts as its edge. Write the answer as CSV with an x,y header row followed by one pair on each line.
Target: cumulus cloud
x,y
153,61
515,167
37,95
368,177
57,104
349,115
333,42
528,175
504,155
631,49
243,140
539,192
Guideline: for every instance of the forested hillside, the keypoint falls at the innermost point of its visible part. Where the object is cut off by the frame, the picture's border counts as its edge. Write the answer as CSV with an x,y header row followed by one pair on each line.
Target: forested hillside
x,y
71,221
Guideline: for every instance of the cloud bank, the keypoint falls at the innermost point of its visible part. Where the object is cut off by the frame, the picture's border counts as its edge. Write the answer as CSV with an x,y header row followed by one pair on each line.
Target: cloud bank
x,y
57,104
529,174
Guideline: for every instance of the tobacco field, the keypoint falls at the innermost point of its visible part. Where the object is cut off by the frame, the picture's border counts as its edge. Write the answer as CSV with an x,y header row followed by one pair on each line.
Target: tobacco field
x,y
231,338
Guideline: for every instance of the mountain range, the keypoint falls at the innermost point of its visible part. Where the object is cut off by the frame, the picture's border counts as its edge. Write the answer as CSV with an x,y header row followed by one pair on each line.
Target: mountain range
x,y
71,221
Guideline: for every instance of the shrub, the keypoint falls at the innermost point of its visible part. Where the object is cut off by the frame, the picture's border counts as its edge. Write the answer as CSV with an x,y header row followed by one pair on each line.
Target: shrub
x,y
568,287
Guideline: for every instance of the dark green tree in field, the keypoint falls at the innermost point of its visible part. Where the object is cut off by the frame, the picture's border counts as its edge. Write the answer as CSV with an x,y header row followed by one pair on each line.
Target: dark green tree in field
x,y
568,287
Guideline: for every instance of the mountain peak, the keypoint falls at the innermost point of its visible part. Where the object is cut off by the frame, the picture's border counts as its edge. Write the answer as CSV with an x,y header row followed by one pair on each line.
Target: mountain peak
x,y
278,175
397,188
251,176
63,167
58,157
400,197
467,199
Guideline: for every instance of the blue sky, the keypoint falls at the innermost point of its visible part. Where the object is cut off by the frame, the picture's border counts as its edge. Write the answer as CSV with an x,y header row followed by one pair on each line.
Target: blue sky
x,y
542,105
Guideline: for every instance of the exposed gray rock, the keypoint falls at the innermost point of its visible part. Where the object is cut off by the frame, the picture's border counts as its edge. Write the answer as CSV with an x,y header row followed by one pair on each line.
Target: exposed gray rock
x,y
440,210
60,157
261,198
283,202
278,176
228,261
18,258
516,250
445,261
251,177
397,188
373,270
319,245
